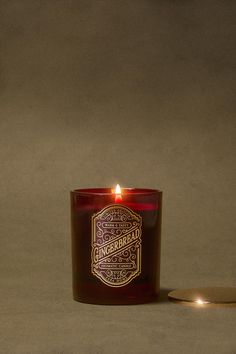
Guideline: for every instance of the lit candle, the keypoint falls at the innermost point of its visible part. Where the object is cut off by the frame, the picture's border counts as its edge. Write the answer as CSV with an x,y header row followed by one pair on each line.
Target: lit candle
x,y
116,245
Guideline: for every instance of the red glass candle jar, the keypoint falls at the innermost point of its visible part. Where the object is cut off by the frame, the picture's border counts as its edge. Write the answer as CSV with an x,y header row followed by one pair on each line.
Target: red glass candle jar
x,y
116,245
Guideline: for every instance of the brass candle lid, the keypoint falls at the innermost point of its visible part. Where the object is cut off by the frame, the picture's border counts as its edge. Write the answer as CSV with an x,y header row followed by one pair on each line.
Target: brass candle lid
x,y
217,296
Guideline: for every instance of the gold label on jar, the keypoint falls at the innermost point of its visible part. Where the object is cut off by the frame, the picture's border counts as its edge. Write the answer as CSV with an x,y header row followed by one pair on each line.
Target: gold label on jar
x,y
116,245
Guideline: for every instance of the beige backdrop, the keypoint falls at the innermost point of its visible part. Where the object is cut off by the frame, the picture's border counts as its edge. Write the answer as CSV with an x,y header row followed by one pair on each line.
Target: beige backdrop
x,y
95,93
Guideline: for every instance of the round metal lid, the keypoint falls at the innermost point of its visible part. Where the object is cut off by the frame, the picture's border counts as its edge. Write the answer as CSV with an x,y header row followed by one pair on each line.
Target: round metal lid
x,y
224,296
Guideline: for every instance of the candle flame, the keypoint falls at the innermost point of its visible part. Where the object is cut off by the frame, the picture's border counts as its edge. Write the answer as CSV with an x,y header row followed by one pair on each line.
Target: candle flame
x,y
118,189
118,197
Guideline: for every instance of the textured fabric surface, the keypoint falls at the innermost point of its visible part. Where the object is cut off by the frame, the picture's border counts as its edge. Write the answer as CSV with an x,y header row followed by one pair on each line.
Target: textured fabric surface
x,y
94,93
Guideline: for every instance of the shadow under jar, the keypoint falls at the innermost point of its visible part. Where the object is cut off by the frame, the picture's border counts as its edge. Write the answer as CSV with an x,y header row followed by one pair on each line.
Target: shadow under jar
x,y
116,245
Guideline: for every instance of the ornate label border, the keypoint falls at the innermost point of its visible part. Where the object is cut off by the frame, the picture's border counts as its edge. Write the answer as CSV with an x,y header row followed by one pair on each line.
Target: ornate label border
x,y
116,258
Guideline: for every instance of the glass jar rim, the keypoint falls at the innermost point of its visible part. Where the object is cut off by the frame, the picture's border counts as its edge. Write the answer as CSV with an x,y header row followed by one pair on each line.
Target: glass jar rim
x,y
108,191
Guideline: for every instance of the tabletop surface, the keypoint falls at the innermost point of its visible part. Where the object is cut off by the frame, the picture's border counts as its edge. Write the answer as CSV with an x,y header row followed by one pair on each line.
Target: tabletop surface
x,y
40,321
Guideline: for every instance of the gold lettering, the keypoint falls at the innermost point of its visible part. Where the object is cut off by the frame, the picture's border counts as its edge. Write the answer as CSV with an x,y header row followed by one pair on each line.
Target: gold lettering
x,y
120,242
108,249
96,254
124,240
116,245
